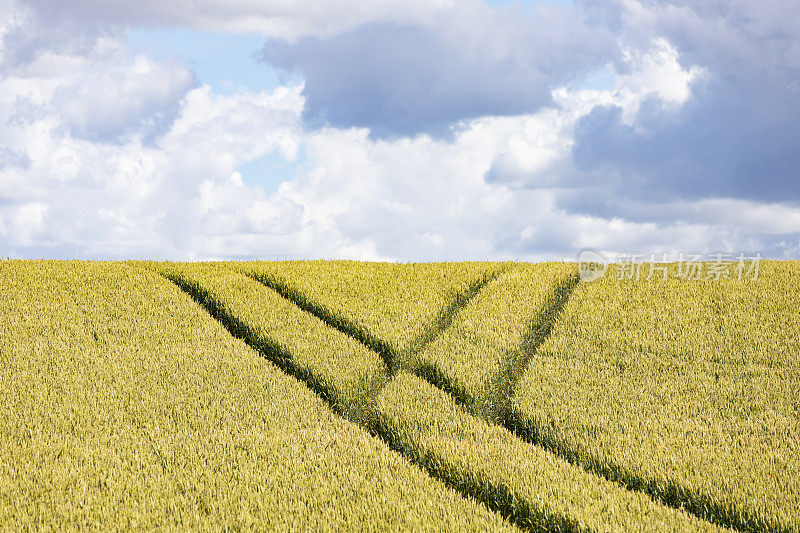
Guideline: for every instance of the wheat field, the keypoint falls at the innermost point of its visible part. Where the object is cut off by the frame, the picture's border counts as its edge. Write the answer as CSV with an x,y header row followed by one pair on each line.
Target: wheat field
x,y
341,395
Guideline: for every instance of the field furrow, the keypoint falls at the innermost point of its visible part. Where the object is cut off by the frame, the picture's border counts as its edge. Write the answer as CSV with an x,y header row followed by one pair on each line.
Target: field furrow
x,y
344,395
124,406
482,354
684,389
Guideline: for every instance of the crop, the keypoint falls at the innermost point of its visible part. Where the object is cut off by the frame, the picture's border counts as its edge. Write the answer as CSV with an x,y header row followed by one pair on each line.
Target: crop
x,y
343,371
389,307
405,401
684,389
535,488
343,395
481,354
124,405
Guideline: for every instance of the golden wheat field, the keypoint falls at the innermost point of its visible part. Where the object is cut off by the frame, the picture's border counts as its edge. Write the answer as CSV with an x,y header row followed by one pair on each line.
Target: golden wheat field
x,y
341,395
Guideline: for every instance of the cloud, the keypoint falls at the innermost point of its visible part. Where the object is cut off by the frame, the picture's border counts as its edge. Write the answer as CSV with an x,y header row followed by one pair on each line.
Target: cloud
x,y
544,152
101,92
283,19
113,98
13,159
426,198
400,79
736,135
27,30
24,223
109,154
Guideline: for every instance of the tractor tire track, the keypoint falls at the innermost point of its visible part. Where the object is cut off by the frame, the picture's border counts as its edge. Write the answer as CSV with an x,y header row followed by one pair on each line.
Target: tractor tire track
x,y
273,352
503,415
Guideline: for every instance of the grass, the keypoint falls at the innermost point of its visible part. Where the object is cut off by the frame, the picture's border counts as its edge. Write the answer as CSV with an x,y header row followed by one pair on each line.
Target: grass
x,y
343,395
686,390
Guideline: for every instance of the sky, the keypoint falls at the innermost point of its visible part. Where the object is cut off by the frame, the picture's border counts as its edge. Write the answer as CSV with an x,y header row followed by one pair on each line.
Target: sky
x,y
398,130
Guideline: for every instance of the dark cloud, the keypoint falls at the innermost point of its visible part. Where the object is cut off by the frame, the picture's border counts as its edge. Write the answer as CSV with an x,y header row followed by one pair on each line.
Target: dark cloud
x,y
738,134
401,79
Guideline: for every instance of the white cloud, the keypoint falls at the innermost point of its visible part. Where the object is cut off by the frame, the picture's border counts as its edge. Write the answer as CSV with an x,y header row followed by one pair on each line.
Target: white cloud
x,y
409,198
113,155
136,96
748,216
537,151
64,187
24,225
284,19
654,72
469,61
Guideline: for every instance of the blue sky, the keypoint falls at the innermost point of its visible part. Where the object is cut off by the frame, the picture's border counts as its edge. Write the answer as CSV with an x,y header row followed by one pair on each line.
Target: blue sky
x,y
414,130
226,61
229,62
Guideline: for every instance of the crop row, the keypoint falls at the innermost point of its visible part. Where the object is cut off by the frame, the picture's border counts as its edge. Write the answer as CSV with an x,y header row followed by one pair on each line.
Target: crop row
x,y
536,489
387,306
679,388
556,404
480,356
344,372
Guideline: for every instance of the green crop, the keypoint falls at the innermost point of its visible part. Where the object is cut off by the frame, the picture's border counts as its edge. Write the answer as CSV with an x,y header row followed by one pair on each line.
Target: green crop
x,y
253,312
685,389
125,406
344,395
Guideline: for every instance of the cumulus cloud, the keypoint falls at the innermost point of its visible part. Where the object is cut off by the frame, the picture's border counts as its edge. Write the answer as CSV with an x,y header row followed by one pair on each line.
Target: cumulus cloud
x,y
543,153
109,154
13,159
135,96
403,79
736,135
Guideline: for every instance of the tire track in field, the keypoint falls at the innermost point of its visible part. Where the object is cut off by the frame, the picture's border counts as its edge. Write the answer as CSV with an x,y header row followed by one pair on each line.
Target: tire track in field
x,y
669,493
502,412
518,362
444,319
332,319
393,358
505,382
497,498
273,352
270,350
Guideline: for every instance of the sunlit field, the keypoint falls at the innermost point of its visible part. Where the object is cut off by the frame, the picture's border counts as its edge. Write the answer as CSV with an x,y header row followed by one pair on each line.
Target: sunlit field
x,y
350,395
